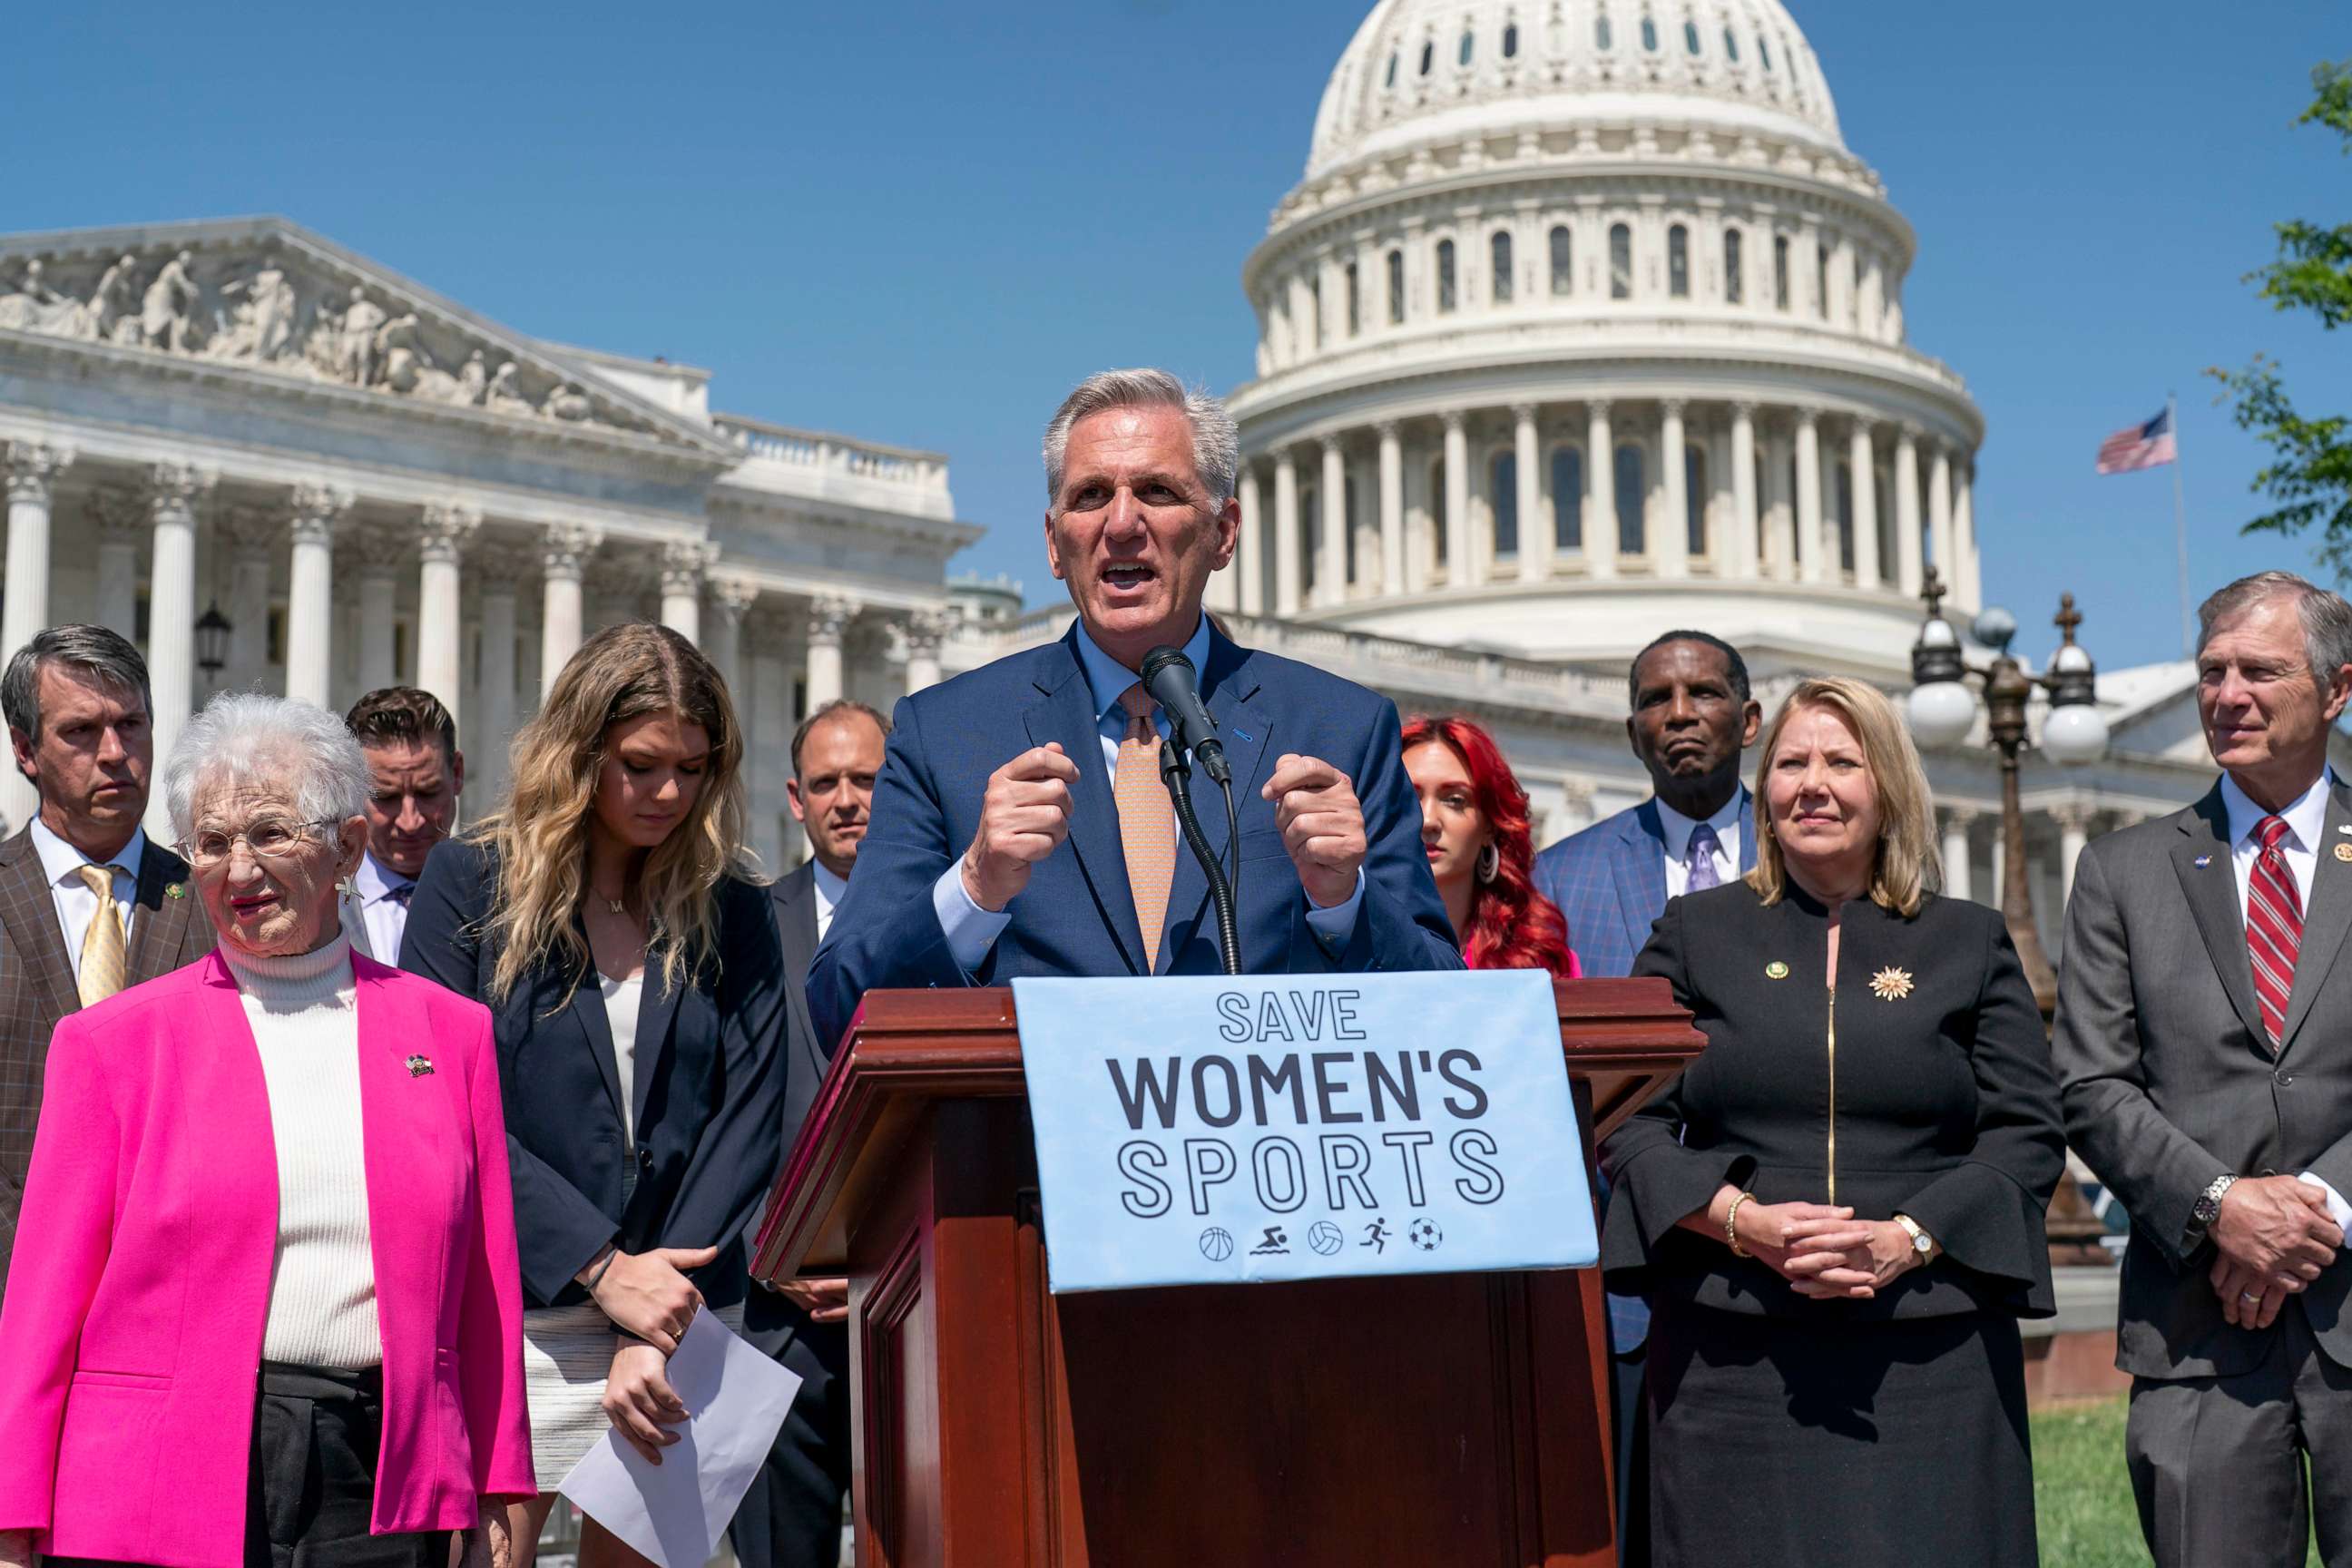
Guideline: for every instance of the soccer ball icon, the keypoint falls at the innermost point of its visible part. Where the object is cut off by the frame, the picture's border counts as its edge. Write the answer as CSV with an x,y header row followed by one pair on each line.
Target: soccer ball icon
x,y
1425,1235
1216,1244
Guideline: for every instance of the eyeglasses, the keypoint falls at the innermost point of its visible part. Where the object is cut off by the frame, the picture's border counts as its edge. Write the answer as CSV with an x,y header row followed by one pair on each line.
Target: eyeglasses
x,y
270,838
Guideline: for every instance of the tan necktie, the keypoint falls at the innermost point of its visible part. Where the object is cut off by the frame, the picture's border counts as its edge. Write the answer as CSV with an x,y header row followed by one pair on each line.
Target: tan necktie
x,y
1146,821
103,944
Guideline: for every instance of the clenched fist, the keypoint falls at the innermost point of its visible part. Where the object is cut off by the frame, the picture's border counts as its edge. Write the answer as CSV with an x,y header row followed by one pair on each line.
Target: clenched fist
x,y
1024,816
1322,825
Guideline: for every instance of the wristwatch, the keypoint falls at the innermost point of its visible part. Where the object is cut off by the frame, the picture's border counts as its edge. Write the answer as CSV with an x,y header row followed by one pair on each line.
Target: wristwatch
x,y
2208,1207
1921,1242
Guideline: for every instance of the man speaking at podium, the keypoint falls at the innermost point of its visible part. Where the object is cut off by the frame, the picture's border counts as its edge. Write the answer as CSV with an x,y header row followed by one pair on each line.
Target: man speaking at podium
x,y
964,879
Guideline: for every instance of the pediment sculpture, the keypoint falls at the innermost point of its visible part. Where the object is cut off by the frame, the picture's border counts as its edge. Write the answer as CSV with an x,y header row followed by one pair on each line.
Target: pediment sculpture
x,y
259,308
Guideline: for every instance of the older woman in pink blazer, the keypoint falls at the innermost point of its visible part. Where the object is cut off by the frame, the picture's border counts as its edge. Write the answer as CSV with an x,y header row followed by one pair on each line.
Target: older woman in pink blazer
x,y
265,1297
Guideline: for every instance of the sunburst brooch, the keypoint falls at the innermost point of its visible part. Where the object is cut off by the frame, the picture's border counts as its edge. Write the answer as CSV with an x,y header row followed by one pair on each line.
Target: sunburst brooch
x,y
1890,984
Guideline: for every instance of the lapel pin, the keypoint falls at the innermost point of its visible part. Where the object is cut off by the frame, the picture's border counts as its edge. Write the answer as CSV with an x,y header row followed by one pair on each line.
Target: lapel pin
x,y
420,1066
2344,851
176,890
1238,735
2345,829
1776,970
1890,984
2203,861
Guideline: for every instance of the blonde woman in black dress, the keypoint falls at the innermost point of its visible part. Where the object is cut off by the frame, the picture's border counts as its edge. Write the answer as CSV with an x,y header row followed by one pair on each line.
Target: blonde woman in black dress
x,y
1837,1212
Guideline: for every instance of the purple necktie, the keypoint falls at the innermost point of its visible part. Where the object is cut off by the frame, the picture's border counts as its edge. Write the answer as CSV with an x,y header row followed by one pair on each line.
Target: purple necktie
x,y
1700,858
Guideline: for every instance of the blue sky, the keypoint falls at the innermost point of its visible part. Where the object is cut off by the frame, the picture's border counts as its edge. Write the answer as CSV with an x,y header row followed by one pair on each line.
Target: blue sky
x,y
920,222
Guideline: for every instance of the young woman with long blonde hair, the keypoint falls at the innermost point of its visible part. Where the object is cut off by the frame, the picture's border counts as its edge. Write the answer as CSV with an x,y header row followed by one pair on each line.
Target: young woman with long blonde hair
x,y
631,965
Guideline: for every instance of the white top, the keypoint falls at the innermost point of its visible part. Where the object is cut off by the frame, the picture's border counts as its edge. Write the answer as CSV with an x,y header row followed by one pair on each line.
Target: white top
x,y
1727,823
830,891
61,863
621,1000
384,916
2306,819
304,1012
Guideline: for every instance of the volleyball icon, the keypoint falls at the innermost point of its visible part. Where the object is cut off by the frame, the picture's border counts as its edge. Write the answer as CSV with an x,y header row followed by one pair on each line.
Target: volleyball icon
x,y
1216,1244
1325,1238
1425,1235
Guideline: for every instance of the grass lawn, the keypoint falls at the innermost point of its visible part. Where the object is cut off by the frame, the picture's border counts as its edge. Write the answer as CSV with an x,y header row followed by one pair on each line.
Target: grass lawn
x,y
2082,1498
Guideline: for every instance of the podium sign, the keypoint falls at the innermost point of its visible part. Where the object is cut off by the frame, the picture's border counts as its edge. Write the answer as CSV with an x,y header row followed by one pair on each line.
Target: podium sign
x,y
1211,1129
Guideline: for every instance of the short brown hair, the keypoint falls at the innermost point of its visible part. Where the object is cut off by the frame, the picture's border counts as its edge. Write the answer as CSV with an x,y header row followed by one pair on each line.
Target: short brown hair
x,y
403,713
1906,867
834,710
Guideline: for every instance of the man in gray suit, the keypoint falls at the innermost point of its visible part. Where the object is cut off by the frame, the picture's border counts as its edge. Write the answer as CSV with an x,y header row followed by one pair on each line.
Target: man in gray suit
x,y
2206,1047
791,1518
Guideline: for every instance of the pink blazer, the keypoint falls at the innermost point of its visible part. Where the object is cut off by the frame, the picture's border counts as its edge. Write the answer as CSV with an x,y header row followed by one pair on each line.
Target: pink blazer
x,y
130,1335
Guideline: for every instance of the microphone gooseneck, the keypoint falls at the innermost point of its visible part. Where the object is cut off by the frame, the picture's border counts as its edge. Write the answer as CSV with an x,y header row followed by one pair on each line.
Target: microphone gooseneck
x,y
1175,685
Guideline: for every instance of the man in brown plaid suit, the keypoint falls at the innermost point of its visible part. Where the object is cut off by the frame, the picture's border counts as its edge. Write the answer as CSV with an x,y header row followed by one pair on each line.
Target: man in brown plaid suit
x,y
87,906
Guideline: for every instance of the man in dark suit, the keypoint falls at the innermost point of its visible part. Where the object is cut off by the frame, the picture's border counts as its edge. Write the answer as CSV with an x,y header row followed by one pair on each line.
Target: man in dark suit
x,y
87,906
963,879
791,1516
1692,718
2204,1040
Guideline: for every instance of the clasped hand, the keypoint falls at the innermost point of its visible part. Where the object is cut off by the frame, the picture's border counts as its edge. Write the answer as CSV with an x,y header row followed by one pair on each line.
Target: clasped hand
x,y
1024,816
1822,1251
2271,1239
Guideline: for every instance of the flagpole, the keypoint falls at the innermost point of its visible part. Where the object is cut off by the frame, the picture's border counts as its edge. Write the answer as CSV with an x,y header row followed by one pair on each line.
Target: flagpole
x,y
2180,526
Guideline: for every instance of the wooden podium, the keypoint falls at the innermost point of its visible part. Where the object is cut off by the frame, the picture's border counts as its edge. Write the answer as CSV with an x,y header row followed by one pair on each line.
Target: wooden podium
x,y
1430,1419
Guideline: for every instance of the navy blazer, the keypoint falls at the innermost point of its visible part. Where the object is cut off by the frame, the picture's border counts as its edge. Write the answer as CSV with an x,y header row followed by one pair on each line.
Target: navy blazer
x,y
1077,917
710,1075
1610,881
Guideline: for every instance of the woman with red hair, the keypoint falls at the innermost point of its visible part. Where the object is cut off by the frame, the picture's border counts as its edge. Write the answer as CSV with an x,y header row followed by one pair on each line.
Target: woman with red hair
x,y
1473,828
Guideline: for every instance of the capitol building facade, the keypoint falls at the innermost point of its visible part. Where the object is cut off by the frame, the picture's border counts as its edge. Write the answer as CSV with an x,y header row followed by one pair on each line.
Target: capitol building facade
x,y
1582,323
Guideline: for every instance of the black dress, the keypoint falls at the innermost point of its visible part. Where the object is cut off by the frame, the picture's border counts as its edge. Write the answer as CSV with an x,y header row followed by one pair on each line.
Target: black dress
x,y
1786,1430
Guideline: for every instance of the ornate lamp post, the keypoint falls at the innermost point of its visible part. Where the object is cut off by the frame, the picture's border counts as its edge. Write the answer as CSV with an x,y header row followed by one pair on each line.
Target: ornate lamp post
x,y
1942,710
213,630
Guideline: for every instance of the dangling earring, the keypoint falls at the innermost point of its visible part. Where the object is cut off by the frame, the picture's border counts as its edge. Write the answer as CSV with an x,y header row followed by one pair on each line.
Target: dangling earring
x,y
1490,862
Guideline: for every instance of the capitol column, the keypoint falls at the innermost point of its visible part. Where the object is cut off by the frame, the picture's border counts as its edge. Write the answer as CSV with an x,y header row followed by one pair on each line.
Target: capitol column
x,y
1970,588
1461,569
1744,538
2073,835
173,490
380,553
1331,561
1393,576
926,630
1862,456
683,564
828,619
497,568
317,512
1535,531
33,470
1249,561
1812,544
1670,552
1956,852
250,534
1599,491
1285,533
731,599
120,525
564,549
440,611
1939,517
1908,574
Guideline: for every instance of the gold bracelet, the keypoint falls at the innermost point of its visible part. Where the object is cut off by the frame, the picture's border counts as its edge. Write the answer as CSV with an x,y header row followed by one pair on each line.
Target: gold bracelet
x,y
1731,1226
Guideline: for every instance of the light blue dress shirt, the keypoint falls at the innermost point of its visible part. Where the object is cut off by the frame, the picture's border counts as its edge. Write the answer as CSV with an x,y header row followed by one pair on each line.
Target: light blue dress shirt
x,y
972,931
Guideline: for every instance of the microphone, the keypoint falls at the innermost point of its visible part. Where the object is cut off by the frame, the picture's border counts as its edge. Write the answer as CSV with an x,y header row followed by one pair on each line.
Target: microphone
x,y
1174,684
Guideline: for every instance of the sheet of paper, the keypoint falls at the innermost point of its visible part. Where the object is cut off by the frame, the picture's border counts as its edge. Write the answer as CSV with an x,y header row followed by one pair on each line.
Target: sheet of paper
x,y
675,1512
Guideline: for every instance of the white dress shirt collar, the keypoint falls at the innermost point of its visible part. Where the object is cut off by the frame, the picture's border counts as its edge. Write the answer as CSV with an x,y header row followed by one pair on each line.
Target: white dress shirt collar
x,y
60,861
1108,680
1728,823
375,881
2305,815
830,891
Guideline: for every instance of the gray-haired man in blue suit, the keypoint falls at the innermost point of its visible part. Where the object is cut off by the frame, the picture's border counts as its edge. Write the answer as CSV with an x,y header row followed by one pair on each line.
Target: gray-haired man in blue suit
x,y
1692,717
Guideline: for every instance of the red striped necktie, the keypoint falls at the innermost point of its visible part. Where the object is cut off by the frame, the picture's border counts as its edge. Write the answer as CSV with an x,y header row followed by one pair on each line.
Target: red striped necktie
x,y
2273,927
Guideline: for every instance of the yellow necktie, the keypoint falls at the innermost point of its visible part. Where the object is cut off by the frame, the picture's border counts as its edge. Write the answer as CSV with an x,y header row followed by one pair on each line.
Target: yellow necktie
x,y
1147,822
103,944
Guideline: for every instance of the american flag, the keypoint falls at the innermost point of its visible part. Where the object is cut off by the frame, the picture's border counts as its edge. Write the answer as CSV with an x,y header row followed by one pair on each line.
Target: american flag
x,y
2147,446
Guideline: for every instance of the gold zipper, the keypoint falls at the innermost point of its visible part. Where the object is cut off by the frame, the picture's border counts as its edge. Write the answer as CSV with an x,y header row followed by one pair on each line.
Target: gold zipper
x,y
1833,1094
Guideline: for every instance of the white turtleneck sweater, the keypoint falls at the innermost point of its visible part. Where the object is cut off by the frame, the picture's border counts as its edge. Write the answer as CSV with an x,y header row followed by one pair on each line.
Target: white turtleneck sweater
x,y
304,1016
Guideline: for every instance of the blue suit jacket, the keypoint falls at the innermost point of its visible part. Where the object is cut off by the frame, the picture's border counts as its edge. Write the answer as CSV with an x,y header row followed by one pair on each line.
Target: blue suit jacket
x,y
1610,881
1077,917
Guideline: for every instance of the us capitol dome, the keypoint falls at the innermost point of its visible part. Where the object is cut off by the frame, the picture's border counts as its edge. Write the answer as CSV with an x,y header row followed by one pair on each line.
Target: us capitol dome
x,y
1583,322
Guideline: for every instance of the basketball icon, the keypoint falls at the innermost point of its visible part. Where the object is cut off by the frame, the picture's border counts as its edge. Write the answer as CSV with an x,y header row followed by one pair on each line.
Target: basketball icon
x,y
1325,1238
1425,1235
1216,1244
